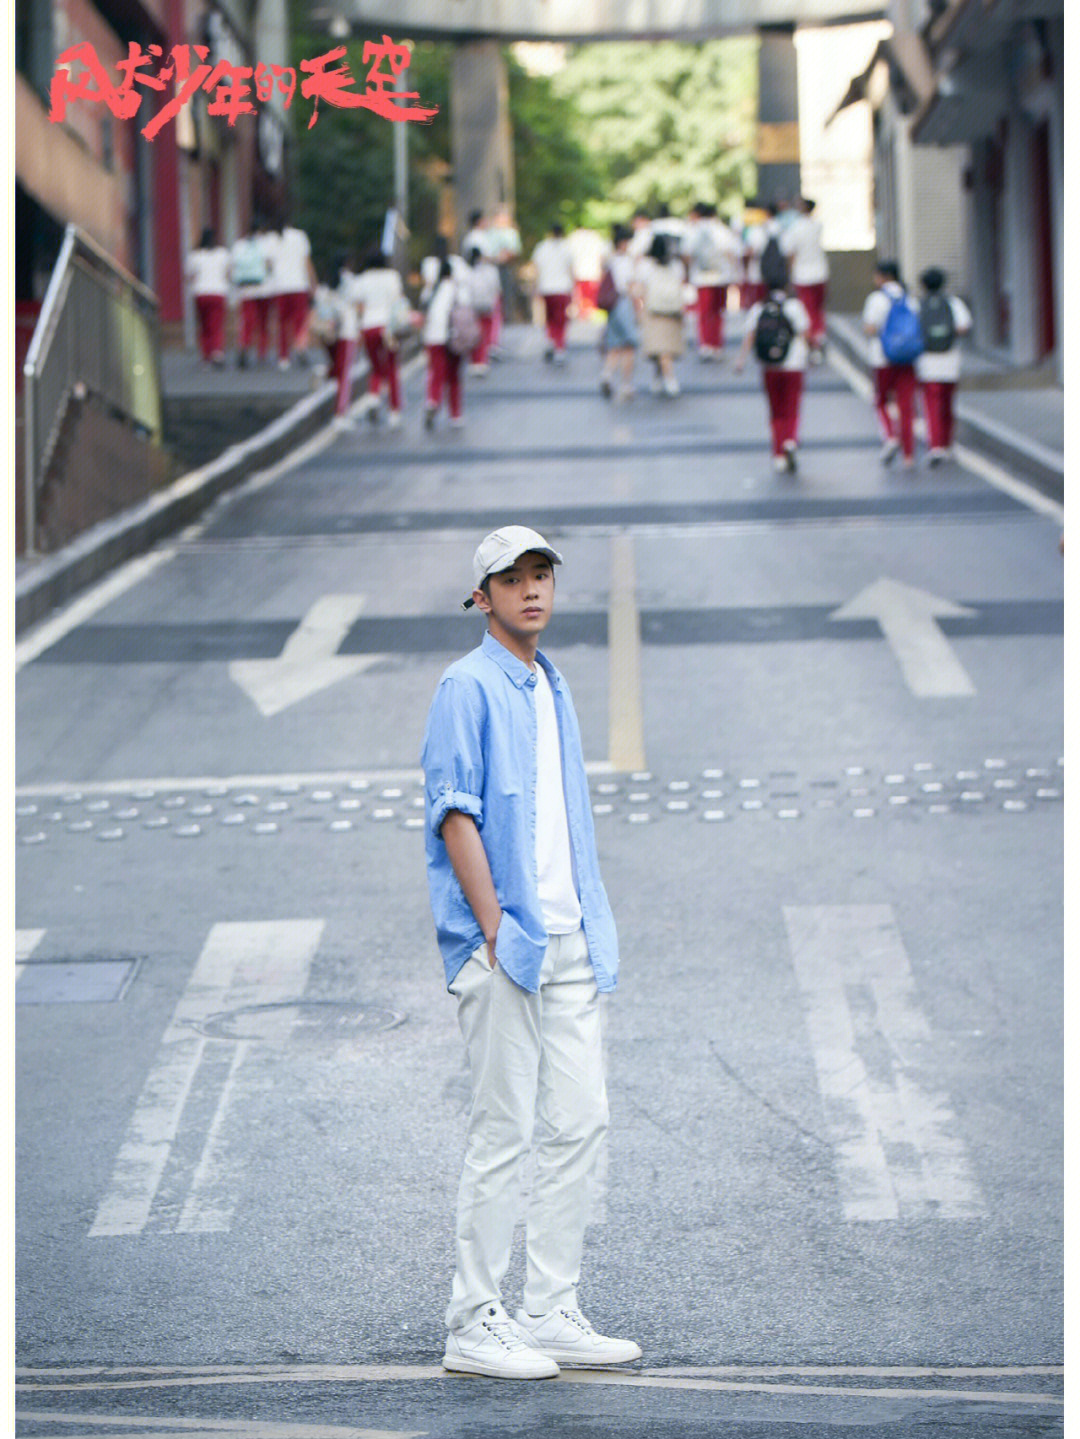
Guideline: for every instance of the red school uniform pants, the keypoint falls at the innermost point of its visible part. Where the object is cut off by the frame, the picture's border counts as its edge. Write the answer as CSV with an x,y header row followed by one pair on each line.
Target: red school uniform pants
x,y
938,404
813,297
210,312
444,371
783,388
711,303
255,323
896,383
384,366
292,313
487,329
555,308
341,363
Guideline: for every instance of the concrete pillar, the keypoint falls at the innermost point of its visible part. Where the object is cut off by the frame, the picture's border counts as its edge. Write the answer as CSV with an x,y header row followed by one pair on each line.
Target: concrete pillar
x,y
481,143
1020,227
777,151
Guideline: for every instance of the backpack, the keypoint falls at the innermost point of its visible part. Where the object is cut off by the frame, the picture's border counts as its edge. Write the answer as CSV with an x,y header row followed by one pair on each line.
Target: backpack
x,y
664,289
774,265
463,336
938,324
249,263
901,335
773,334
607,294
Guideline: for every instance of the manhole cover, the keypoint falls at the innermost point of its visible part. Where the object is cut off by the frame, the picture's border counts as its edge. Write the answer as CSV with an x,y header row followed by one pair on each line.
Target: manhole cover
x,y
300,1019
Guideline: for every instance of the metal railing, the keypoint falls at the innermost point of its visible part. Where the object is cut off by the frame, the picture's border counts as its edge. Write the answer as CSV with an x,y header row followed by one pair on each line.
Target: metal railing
x,y
98,334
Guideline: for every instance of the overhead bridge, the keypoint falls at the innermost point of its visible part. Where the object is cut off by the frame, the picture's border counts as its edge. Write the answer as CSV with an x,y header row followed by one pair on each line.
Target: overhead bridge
x,y
482,150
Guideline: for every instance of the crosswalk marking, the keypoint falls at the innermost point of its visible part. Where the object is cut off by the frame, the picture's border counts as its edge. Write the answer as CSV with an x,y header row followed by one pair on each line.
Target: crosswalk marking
x,y
26,941
897,1151
241,963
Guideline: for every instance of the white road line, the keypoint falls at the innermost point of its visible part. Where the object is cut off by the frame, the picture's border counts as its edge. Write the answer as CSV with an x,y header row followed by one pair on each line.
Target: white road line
x,y
50,631
626,730
26,941
1001,479
172,1427
248,781
237,960
309,661
898,1155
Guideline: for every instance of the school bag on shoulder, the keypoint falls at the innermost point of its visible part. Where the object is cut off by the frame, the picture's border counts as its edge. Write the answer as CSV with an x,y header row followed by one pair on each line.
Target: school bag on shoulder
x,y
463,335
249,264
607,293
774,265
664,289
938,324
901,335
773,334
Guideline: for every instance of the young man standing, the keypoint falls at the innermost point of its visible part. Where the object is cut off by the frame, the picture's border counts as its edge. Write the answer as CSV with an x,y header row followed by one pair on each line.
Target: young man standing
x,y
528,943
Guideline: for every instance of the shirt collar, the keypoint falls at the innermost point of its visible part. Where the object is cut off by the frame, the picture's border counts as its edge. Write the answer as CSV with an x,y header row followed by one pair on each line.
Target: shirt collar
x,y
517,670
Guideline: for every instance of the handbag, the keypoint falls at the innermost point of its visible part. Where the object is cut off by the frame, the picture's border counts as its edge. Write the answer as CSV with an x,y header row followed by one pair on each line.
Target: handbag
x,y
607,294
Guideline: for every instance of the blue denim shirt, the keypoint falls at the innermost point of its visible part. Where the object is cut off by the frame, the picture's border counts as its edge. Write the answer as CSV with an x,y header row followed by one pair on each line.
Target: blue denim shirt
x,y
479,757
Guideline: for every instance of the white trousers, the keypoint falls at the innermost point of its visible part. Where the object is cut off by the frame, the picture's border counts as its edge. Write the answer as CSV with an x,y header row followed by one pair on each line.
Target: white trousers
x,y
537,1070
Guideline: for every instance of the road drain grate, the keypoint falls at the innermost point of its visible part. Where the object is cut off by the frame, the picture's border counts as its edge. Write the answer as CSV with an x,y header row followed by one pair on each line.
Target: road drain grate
x,y
74,981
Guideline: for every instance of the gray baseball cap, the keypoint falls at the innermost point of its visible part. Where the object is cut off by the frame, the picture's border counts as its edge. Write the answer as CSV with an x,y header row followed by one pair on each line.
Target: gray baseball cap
x,y
499,550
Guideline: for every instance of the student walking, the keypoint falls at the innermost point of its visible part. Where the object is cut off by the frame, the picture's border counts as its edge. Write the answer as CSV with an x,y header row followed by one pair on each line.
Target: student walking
x,y
250,265
346,336
528,944
713,253
293,279
207,273
444,362
379,296
485,287
554,266
776,330
804,246
660,286
621,334
944,319
887,312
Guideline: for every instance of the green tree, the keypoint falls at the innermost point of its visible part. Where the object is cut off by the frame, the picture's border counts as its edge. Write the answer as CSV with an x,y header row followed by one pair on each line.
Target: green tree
x,y
670,122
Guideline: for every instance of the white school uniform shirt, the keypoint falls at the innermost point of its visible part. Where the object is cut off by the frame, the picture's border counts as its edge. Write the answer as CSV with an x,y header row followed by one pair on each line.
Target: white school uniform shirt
x,y
348,321
476,240
266,242
875,312
290,275
437,315
374,292
943,366
624,269
799,319
556,889
802,242
554,267
430,266
208,271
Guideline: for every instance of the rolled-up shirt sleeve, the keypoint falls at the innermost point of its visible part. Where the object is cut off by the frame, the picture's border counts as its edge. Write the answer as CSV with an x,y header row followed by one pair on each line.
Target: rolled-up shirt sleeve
x,y
452,757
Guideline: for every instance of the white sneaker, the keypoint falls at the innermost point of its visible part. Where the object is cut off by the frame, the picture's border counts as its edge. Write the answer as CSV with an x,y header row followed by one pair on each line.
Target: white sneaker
x,y
889,451
393,419
671,385
566,1336
780,464
497,1347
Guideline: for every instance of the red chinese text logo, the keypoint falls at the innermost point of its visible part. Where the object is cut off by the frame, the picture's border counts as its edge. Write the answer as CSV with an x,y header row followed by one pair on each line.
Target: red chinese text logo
x,y
233,88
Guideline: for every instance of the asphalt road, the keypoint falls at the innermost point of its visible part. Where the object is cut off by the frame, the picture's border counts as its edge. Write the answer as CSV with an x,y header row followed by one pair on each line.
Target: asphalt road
x,y
822,715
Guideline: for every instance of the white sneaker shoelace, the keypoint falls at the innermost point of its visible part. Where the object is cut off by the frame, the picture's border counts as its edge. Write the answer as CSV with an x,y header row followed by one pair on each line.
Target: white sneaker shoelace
x,y
506,1332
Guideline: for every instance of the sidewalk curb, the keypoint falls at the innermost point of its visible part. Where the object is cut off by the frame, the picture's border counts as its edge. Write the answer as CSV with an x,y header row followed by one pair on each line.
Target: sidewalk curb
x,y
1030,461
61,576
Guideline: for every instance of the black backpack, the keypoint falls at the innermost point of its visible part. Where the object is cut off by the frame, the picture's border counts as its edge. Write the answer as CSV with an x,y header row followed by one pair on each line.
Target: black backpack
x,y
773,334
774,265
938,323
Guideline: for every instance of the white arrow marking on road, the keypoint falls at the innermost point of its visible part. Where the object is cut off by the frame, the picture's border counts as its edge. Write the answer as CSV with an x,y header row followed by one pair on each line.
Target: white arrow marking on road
x,y
908,619
309,661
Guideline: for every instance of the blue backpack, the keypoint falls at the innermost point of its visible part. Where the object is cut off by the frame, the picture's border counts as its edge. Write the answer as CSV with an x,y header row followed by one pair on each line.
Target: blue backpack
x,y
901,335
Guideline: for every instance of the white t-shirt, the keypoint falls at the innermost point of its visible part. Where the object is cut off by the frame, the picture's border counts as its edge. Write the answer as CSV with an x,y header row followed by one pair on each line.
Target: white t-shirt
x,y
623,267
430,266
208,271
554,267
559,903
484,286
290,276
801,240
943,366
375,292
714,252
799,320
437,316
